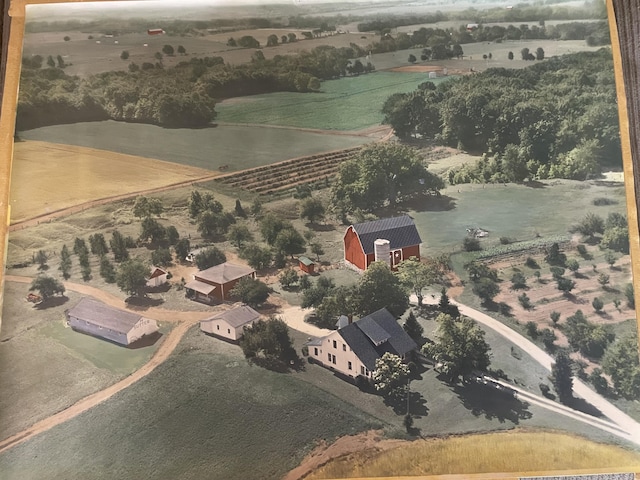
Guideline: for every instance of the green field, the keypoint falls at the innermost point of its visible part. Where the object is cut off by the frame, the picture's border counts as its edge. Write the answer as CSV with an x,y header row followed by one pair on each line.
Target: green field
x,y
350,103
239,147
516,211
205,413
46,367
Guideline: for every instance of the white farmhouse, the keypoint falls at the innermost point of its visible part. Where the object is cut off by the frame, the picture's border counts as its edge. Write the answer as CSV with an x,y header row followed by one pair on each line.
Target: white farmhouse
x,y
353,349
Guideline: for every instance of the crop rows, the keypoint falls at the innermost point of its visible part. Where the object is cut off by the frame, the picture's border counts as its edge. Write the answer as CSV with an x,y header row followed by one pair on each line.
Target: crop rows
x,y
282,176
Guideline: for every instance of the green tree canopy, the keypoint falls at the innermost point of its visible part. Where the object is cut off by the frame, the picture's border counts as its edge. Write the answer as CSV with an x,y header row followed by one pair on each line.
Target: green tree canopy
x,y
562,377
47,286
379,288
240,234
147,207
312,209
210,257
382,173
251,291
460,348
622,365
390,377
415,275
269,339
132,277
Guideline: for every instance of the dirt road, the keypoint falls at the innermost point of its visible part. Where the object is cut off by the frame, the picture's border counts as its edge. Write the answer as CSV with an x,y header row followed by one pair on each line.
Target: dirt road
x,y
185,321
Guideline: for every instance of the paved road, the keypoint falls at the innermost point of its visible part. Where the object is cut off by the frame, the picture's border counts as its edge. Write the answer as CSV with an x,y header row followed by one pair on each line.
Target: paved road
x,y
628,425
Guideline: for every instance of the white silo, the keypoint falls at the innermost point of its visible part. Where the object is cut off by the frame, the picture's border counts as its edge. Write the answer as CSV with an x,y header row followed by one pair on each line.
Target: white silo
x,y
382,250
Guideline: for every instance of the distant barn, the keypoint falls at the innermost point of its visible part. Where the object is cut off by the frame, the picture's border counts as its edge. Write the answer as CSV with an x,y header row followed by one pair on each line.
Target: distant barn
x,y
100,320
155,31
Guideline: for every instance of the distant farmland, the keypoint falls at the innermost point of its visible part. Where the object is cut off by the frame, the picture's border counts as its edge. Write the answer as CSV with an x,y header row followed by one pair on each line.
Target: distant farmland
x,y
350,103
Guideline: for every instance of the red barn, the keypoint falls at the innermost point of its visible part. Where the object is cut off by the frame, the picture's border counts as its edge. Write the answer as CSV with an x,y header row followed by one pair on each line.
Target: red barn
x,y
155,31
392,239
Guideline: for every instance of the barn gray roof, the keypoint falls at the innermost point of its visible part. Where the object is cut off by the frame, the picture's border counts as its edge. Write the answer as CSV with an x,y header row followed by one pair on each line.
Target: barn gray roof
x,y
400,231
376,334
224,273
105,316
236,317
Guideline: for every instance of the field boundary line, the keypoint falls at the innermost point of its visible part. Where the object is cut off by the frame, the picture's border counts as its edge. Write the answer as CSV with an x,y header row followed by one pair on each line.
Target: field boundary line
x,y
364,132
61,212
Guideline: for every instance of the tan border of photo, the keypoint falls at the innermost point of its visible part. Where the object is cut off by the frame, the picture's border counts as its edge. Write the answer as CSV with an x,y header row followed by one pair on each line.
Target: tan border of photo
x,y
7,129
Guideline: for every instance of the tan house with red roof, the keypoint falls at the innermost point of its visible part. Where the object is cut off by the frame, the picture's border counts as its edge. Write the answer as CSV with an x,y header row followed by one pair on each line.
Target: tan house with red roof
x,y
215,284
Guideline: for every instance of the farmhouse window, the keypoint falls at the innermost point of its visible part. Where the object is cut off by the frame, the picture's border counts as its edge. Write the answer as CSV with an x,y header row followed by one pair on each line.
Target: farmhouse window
x,y
315,351
362,370
333,360
335,344
218,326
329,356
350,366
229,331
344,347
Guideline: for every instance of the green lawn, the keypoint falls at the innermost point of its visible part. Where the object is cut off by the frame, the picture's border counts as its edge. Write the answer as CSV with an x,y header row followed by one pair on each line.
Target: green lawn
x,y
350,103
239,147
205,413
514,211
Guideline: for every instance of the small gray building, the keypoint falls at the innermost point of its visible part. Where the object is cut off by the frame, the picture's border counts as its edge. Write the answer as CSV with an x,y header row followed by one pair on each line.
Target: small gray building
x,y
100,320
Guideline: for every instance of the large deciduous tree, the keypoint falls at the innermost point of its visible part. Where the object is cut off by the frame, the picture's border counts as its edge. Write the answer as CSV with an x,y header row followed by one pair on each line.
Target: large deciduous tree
x,y
622,365
210,257
379,288
132,277
147,207
269,339
415,276
47,286
312,209
390,377
382,173
251,291
460,348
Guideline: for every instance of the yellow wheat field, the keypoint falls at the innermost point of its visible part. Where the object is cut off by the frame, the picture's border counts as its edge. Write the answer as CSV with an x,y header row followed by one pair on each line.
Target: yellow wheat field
x,y
47,177
514,451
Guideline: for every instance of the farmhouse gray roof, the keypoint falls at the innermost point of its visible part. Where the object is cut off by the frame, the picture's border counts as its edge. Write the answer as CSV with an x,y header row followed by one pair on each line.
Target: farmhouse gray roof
x,y
400,231
102,315
236,317
224,273
360,337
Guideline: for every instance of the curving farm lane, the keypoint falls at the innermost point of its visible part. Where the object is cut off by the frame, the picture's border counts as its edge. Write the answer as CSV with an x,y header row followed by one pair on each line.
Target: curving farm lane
x,y
630,429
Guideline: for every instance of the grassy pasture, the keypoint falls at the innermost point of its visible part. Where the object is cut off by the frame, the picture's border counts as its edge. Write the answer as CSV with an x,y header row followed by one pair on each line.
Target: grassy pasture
x,y
516,451
474,51
205,413
516,211
350,103
45,367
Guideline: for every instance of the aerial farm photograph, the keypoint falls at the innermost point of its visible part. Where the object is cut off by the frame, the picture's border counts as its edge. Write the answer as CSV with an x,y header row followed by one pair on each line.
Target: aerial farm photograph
x,y
312,240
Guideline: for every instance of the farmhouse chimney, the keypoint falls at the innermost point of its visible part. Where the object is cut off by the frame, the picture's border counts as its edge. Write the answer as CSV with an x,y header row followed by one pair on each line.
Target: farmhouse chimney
x,y
350,318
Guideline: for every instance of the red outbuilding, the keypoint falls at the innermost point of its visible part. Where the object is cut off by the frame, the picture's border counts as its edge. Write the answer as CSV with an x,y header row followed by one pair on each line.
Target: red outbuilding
x,y
307,265
155,31
389,239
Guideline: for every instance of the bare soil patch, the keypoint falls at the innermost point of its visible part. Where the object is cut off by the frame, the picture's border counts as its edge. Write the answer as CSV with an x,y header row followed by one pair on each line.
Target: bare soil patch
x,y
418,68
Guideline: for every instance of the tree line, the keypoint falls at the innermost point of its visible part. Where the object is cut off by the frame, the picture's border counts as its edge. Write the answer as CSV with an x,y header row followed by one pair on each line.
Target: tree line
x,y
555,119
183,96
523,13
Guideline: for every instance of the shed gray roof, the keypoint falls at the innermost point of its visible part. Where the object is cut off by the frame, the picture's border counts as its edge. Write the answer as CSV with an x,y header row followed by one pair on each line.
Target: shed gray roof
x,y
358,336
224,273
200,287
236,317
102,315
400,231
